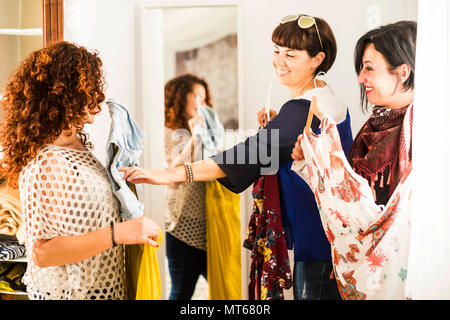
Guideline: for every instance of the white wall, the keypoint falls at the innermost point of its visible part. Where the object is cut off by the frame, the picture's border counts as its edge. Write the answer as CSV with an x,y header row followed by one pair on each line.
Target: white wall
x,y
221,22
429,262
110,27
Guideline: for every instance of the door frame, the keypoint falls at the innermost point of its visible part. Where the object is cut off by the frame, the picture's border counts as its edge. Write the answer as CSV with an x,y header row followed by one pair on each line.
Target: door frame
x,y
52,21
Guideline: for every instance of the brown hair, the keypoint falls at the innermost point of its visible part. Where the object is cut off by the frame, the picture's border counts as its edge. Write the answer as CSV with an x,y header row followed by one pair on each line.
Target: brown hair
x,y
290,35
397,43
175,99
52,90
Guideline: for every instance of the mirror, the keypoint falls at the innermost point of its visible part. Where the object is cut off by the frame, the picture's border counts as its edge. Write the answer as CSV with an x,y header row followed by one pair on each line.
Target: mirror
x,y
210,53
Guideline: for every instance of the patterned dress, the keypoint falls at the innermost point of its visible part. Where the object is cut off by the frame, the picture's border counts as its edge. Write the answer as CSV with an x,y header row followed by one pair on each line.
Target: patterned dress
x,y
369,242
270,272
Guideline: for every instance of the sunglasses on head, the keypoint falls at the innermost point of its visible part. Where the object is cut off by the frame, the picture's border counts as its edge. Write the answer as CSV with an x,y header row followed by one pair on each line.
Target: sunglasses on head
x,y
304,22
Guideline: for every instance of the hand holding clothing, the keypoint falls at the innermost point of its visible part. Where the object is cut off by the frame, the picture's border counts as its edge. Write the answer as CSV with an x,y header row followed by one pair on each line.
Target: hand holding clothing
x,y
198,119
204,170
137,230
297,152
138,175
262,116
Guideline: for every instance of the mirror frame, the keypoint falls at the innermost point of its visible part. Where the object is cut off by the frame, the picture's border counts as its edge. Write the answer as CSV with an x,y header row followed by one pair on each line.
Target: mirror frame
x,y
52,21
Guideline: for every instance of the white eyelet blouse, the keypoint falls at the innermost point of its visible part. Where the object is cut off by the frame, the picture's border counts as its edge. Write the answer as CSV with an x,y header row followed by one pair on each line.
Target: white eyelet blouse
x,y
66,192
185,217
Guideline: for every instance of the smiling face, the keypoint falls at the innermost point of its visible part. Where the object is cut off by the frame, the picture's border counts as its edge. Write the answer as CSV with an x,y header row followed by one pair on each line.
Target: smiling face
x,y
293,68
381,85
193,100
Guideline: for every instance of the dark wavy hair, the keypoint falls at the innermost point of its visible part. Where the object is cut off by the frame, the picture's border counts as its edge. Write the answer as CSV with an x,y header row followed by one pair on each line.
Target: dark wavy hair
x,y
290,35
175,99
51,91
397,43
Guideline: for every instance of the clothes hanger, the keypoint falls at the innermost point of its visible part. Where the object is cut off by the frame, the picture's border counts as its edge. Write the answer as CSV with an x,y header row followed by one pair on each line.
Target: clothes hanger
x,y
314,110
269,90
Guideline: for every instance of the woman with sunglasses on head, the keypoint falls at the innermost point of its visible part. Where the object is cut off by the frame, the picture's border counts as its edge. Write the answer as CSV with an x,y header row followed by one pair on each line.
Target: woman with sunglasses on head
x,y
377,221
304,46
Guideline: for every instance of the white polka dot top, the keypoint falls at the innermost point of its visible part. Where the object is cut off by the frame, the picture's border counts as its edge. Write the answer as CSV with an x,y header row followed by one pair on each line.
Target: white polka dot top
x,y
66,192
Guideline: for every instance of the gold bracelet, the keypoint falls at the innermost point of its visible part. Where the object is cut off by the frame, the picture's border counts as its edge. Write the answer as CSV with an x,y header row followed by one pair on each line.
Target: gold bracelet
x,y
189,173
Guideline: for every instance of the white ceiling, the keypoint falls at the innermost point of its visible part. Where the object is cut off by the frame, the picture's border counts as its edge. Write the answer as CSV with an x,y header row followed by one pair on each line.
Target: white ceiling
x,y
186,28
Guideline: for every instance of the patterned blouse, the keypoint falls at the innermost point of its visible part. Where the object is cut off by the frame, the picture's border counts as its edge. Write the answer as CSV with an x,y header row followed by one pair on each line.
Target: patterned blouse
x,y
369,242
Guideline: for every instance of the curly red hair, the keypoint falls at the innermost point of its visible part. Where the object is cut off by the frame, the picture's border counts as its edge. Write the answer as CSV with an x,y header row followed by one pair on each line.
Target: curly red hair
x,y
52,90
175,99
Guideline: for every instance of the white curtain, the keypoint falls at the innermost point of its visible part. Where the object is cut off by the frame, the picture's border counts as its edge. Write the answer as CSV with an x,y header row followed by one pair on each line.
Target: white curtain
x,y
429,264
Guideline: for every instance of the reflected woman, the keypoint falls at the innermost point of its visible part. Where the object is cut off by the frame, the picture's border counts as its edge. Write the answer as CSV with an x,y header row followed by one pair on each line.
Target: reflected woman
x,y
303,47
186,215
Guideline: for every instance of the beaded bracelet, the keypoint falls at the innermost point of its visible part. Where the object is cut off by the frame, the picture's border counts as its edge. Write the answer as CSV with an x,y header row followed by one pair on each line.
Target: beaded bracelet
x,y
112,235
189,174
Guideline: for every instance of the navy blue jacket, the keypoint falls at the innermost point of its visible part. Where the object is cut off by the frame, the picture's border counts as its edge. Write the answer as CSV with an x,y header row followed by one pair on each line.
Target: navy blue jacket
x,y
301,220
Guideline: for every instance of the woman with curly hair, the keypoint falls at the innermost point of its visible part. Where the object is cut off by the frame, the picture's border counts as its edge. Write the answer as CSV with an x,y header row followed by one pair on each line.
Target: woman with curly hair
x,y
186,215
74,234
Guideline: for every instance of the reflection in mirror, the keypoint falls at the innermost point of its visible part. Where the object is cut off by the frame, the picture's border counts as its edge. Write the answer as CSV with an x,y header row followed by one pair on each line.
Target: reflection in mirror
x,y
206,47
201,41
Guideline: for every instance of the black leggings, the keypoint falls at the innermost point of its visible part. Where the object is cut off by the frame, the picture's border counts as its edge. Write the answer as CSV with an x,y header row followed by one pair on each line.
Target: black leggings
x,y
186,264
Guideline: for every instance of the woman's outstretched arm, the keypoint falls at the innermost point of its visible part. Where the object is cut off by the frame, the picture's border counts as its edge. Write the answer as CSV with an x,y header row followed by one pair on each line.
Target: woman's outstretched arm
x,y
204,170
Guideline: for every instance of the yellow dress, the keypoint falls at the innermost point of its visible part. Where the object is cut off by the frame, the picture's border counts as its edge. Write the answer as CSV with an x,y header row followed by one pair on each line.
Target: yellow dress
x,y
143,272
223,242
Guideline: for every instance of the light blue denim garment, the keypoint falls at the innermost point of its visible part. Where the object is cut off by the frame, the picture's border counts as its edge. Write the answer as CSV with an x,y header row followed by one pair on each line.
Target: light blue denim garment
x,y
125,145
211,133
